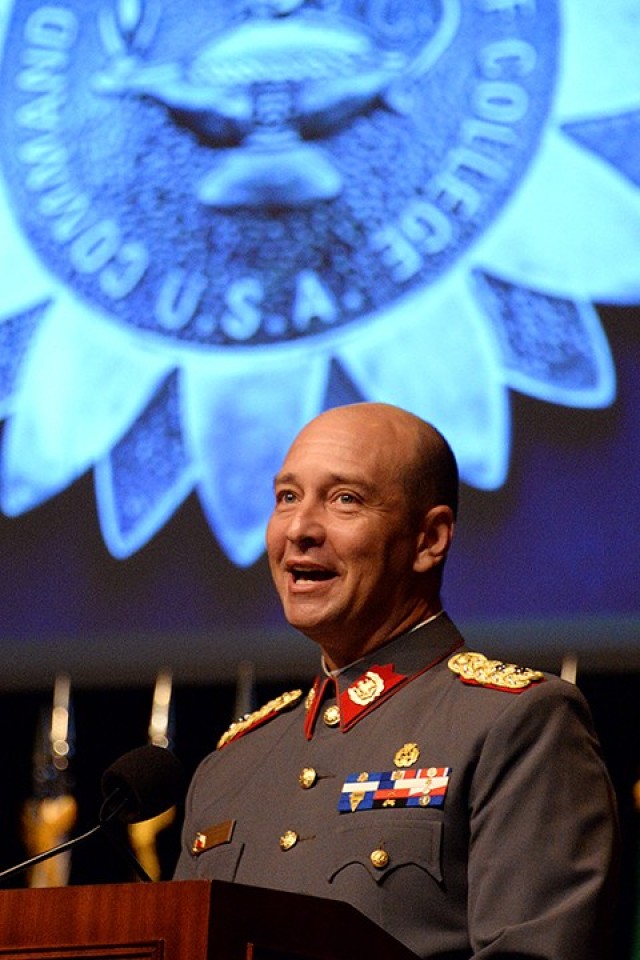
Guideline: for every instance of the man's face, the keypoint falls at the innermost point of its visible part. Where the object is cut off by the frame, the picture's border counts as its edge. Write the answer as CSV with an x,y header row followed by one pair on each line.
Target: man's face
x,y
340,543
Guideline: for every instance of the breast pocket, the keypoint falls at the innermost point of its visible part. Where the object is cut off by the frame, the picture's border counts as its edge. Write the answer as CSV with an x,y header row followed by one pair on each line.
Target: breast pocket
x,y
384,844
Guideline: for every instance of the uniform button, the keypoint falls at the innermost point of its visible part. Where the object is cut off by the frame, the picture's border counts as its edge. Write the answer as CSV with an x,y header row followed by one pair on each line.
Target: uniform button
x,y
307,777
380,859
331,716
288,840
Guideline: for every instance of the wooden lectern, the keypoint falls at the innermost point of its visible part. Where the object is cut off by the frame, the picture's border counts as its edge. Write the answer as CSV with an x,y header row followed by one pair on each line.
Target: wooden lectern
x,y
185,920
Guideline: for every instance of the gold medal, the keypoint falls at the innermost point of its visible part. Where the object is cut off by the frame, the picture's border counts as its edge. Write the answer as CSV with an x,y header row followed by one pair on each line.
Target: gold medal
x,y
407,755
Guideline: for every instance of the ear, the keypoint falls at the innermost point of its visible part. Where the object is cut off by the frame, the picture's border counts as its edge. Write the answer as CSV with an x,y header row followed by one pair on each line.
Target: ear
x,y
434,538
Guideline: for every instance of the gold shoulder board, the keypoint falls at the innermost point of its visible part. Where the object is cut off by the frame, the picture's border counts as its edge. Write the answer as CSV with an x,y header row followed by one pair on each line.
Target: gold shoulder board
x,y
260,716
477,670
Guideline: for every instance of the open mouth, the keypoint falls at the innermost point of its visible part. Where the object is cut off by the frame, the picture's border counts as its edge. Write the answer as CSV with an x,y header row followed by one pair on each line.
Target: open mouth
x,y
302,575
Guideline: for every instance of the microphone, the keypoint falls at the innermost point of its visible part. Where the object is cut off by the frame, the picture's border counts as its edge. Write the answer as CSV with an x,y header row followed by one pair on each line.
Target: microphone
x,y
142,783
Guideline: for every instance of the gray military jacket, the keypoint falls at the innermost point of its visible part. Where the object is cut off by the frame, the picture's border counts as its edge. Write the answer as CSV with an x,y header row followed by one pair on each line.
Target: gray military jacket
x,y
468,812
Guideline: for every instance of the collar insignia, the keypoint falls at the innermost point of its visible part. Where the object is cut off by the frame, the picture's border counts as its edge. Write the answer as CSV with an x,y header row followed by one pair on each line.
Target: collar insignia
x,y
310,697
368,690
313,702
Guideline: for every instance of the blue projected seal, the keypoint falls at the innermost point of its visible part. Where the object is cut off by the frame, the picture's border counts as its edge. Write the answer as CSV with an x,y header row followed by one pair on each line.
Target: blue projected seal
x,y
211,206
298,166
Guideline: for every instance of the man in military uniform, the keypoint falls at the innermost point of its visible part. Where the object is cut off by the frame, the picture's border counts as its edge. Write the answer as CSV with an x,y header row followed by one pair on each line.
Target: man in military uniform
x,y
461,803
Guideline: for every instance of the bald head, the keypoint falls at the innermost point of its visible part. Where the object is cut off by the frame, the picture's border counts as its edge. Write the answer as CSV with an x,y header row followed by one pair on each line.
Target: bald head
x,y
423,460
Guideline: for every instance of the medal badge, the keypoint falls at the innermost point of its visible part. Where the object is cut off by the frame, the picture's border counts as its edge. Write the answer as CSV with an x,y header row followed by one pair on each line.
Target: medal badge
x,y
424,787
407,755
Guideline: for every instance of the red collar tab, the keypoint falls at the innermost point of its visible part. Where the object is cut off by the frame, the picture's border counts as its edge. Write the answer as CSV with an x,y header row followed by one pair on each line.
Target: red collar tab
x,y
367,692
312,704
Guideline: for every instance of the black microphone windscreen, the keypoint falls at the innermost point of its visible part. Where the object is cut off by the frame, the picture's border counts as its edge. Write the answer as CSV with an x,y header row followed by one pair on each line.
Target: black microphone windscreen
x,y
150,778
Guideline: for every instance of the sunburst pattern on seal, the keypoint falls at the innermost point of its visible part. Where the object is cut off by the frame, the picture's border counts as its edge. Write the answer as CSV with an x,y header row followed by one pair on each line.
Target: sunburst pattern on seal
x,y
201,229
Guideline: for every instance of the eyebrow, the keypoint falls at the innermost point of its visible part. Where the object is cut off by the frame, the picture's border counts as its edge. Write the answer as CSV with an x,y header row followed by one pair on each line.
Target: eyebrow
x,y
333,479
283,478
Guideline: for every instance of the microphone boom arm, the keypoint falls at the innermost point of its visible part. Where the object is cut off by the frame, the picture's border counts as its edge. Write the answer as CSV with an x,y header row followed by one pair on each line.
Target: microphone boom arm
x,y
103,824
